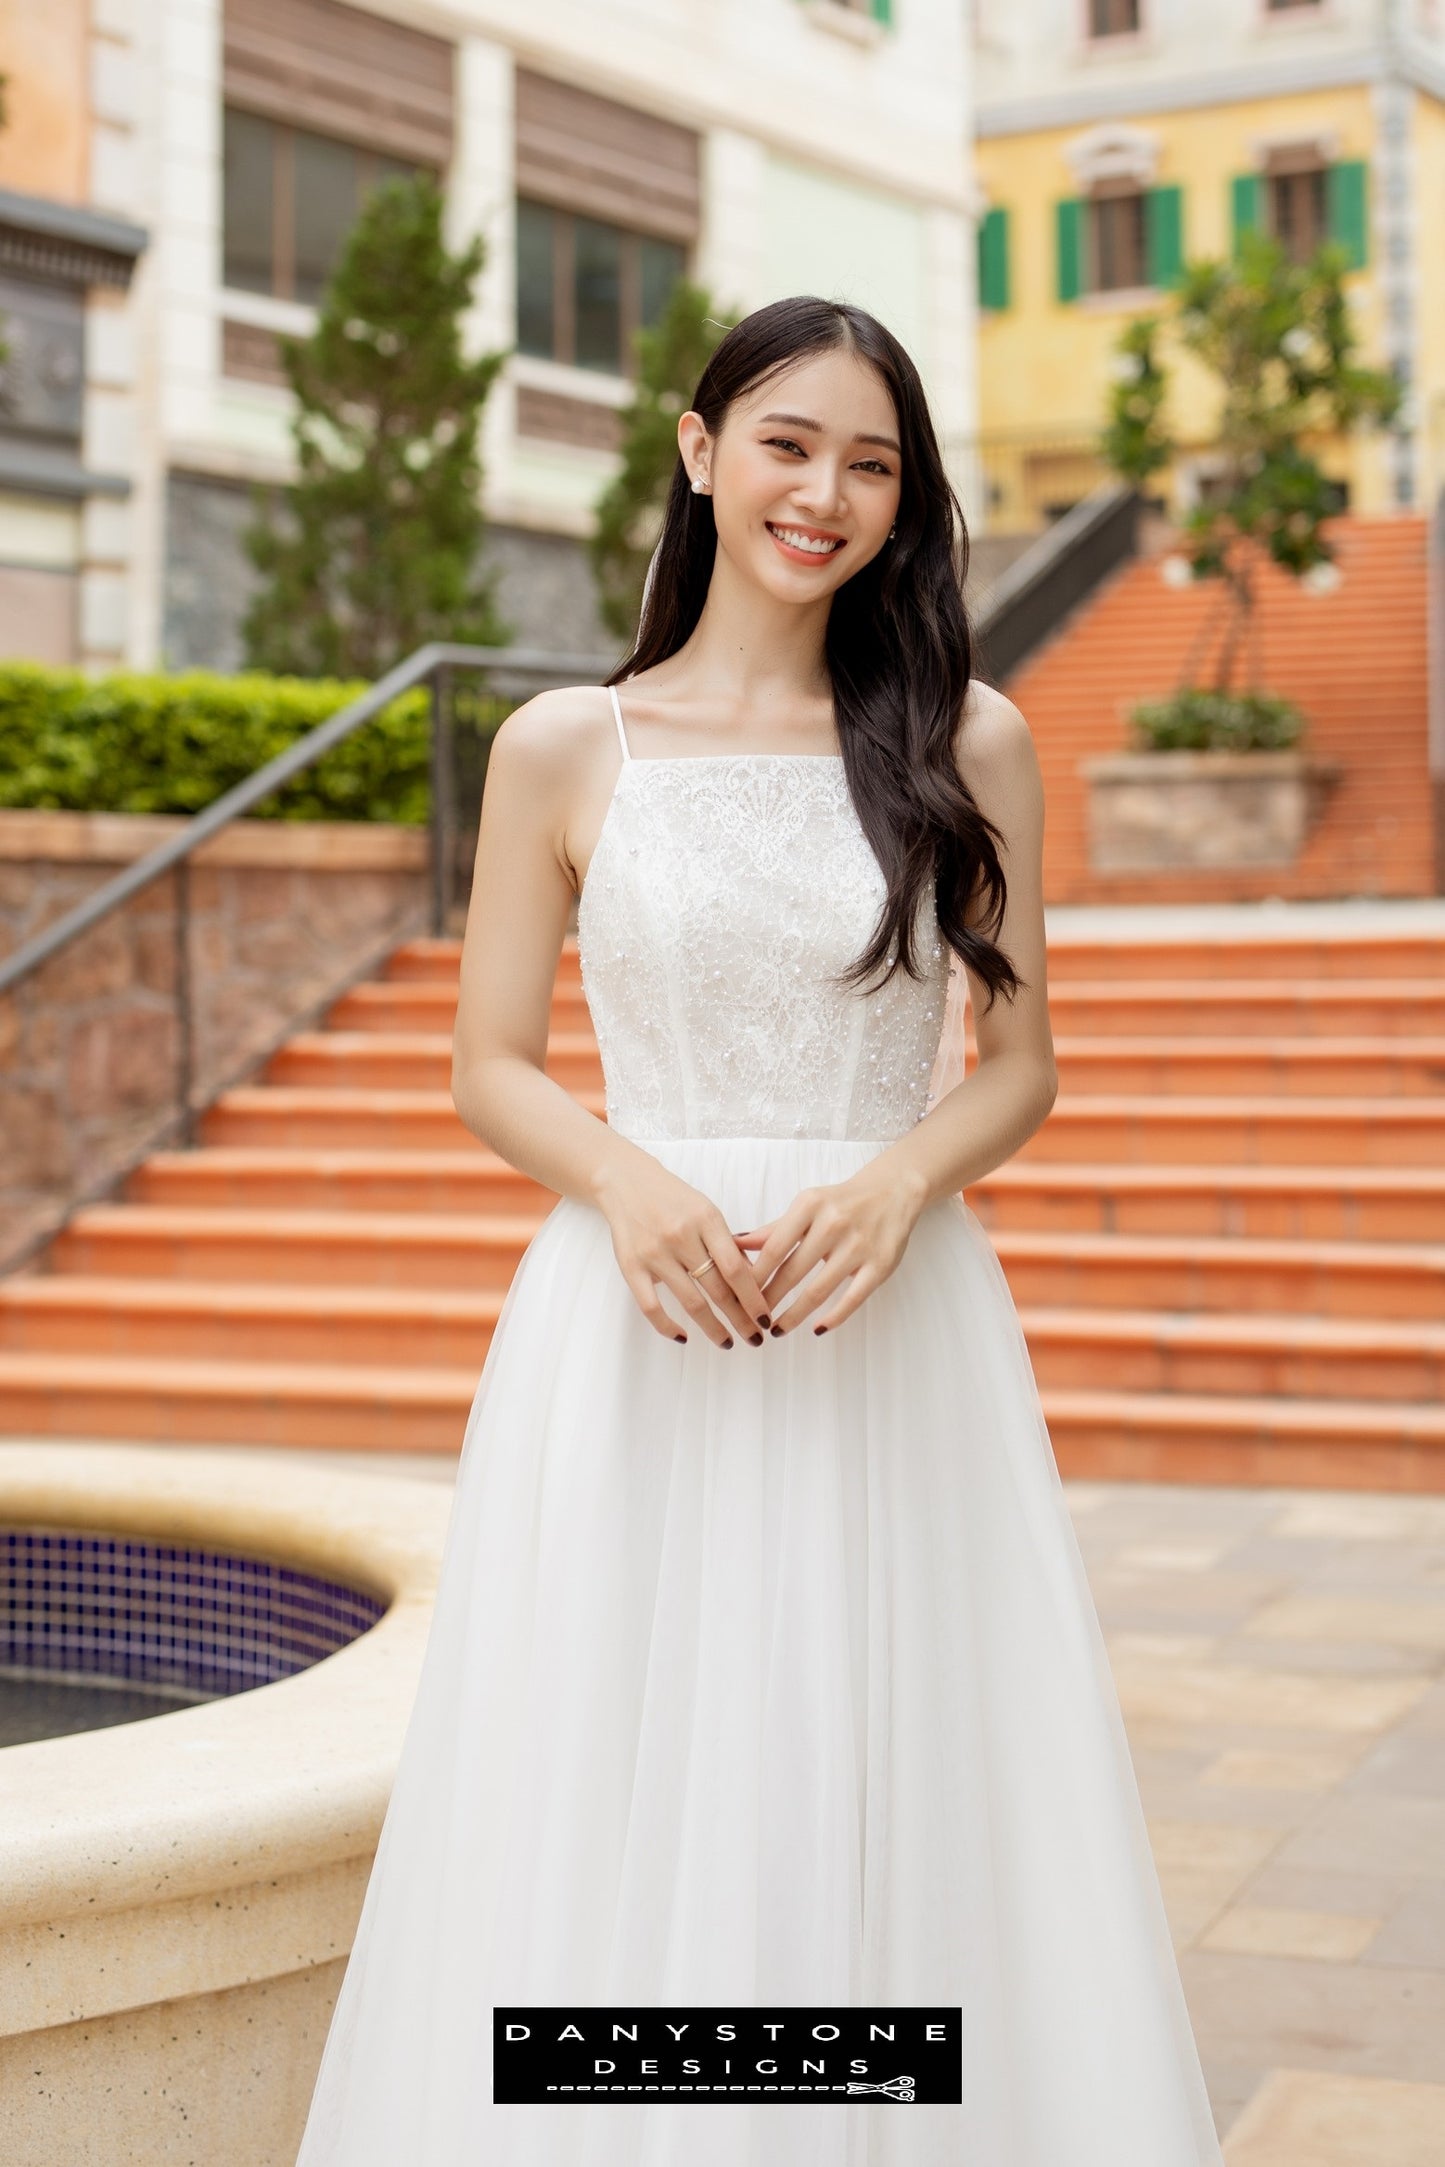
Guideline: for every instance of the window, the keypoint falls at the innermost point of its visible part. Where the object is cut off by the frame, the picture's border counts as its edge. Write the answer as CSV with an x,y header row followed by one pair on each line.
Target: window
x,y
1113,18
1304,200
1119,242
290,198
1297,216
586,286
1117,239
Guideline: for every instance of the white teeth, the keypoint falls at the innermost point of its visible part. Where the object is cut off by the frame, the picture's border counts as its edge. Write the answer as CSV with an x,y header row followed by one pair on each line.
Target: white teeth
x,y
804,541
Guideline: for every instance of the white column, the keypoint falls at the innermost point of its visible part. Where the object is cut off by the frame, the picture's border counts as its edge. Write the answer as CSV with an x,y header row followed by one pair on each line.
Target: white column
x,y
950,368
730,246
108,444
482,199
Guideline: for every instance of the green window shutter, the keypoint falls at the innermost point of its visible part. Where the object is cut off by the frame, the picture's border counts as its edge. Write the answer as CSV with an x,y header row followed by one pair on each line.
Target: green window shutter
x,y
993,259
1345,207
1068,224
1163,233
1245,193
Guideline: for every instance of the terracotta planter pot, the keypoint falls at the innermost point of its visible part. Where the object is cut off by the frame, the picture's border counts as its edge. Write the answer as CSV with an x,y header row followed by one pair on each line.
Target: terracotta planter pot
x,y
1150,812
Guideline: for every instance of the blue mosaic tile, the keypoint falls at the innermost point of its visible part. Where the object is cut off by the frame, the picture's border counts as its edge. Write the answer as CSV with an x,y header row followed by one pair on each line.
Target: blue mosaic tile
x,y
201,1621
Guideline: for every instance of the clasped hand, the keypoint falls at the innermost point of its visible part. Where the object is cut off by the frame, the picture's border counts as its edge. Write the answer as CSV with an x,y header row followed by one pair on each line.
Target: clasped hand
x,y
854,1230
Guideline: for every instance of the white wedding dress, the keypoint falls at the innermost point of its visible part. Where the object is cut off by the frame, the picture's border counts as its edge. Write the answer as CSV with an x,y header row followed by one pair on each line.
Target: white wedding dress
x,y
763,1675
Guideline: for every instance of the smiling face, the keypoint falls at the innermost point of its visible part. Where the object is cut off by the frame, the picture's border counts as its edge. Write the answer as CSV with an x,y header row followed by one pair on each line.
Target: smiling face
x,y
804,475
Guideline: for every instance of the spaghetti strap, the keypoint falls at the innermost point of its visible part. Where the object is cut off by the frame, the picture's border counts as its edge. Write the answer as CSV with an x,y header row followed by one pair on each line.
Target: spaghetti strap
x,y
621,733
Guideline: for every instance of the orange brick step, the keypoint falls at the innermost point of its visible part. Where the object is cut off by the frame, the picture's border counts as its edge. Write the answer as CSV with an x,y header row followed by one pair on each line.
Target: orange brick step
x,y
1252,1008
1313,1068
1244,1282
1295,1203
1141,952
1210,1437
404,1328
471,1180
1265,1353
396,1005
1108,1435
391,1327
1185,1130
1197,1274
1332,1203
251,1403
316,1248
1145,1130
453,1250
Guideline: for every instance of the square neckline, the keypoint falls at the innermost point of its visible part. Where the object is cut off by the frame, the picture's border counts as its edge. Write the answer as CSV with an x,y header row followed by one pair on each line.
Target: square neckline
x,y
681,759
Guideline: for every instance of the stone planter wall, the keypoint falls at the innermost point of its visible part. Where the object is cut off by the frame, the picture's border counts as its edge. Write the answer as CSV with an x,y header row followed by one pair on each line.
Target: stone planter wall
x,y
1156,812
283,916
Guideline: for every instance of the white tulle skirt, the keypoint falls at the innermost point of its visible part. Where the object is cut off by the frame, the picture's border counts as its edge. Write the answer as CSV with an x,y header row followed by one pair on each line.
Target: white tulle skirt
x,y
765,1675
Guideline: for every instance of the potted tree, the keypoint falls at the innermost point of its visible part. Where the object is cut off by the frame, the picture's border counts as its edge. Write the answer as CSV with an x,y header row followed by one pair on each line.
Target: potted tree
x,y
1220,773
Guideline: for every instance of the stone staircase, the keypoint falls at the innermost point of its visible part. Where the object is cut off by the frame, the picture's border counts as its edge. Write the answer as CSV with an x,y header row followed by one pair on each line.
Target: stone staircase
x,y
1356,661
1227,1243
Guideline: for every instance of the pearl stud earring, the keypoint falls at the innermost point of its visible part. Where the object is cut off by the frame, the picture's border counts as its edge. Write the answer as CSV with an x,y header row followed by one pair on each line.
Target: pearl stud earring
x,y
699,485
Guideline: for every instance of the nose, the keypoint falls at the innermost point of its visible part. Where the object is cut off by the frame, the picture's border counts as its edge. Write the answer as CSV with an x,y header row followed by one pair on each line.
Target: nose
x,y
819,490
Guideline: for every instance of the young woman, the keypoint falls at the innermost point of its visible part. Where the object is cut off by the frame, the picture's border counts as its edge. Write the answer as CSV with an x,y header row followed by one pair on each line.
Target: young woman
x,y
777,1681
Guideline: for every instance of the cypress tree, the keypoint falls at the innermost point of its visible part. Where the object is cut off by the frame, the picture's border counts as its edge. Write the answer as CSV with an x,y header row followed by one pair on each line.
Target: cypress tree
x,y
375,550
670,359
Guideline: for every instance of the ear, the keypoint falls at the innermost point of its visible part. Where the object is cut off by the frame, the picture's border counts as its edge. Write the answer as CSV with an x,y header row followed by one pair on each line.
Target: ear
x,y
693,442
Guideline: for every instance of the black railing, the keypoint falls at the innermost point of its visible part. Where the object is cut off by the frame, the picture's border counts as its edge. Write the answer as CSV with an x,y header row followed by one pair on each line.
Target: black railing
x,y
509,669
457,759
1056,572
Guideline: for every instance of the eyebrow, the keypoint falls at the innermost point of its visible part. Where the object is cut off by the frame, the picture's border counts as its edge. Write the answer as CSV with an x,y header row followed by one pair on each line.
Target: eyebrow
x,y
801,421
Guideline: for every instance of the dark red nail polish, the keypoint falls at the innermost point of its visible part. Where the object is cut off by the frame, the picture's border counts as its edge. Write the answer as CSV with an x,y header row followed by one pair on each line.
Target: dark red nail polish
x,y
755,1339
725,1343
820,1327
765,1321
682,1336
776,1330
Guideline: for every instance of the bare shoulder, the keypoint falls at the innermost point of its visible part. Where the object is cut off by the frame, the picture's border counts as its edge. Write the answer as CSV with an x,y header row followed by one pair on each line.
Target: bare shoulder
x,y
993,746
545,740
992,727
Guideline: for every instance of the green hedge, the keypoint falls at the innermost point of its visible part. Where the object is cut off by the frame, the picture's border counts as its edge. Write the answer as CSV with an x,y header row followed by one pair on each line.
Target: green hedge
x,y
140,743
1201,719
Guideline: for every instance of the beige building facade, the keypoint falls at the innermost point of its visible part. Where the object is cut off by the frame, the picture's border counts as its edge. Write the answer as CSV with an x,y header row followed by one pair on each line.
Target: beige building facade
x,y
216,151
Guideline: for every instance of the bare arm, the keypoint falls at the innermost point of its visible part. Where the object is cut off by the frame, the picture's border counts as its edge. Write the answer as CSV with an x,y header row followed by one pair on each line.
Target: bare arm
x,y
858,1229
521,895
516,922
985,1119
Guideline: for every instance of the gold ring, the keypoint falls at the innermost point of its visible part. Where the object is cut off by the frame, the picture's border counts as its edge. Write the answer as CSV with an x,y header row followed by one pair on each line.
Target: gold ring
x,y
697,1271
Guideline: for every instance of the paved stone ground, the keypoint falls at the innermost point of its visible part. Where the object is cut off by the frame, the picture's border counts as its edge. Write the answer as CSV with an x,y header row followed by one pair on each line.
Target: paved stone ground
x,y
1280,1659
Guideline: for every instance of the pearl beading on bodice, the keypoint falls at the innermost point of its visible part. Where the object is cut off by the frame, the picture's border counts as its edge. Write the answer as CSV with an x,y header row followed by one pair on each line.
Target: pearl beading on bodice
x,y
722,891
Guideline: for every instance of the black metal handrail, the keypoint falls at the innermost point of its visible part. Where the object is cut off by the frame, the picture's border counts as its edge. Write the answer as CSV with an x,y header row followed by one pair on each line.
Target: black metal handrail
x,y
509,668
1056,572
505,669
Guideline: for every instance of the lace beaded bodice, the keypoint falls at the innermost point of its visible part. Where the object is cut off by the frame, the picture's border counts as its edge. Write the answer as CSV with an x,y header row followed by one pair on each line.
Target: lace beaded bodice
x,y
722,891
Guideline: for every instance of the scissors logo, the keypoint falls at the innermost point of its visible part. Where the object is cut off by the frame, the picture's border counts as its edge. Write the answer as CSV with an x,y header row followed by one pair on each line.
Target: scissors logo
x,y
895,2087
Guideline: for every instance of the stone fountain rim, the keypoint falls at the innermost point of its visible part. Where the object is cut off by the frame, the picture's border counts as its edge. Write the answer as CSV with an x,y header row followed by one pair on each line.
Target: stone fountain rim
x,y
276,1780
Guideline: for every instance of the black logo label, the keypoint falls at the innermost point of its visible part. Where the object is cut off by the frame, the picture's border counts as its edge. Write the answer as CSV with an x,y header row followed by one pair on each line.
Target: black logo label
x,y
887,2057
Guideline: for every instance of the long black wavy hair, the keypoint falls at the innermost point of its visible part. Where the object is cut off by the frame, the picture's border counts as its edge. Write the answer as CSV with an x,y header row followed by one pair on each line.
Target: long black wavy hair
x,y
899,647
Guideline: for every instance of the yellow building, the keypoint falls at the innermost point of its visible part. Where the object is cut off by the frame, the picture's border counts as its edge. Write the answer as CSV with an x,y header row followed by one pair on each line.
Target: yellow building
x,y
1140,143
